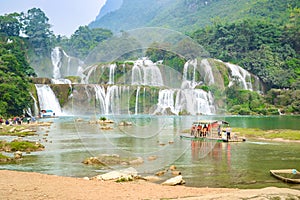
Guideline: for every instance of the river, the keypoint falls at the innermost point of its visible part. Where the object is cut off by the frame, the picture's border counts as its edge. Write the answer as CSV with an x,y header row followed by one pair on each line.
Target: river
x,y
203,164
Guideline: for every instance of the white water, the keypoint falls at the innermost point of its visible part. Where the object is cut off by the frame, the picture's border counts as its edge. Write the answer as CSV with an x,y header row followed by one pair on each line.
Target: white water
x,y
111,100
60,59
112,68
35,106
136,109
152,75
166,100
193,101
188,79
136,77
56,62
114,99
243,76
208,74
47,99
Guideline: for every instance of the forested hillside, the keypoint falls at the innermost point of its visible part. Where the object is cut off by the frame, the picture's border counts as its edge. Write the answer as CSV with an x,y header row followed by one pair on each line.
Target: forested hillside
x,y
261,36
188,15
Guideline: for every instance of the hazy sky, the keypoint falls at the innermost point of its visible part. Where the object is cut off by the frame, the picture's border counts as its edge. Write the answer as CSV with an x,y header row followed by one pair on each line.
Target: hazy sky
x,y
65,16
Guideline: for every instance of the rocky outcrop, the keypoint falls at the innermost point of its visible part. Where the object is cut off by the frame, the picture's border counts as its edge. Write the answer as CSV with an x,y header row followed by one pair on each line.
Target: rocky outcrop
x,y
177,180
113,159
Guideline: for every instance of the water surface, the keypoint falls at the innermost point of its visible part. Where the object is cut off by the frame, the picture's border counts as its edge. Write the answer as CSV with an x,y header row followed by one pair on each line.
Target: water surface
x,y
203,164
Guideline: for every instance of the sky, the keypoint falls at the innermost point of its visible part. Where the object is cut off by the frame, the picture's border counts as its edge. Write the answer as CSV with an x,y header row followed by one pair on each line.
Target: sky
x,y
65,16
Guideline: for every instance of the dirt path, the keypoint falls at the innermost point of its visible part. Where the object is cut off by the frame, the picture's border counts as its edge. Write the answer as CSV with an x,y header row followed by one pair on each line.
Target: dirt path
x,y
24,185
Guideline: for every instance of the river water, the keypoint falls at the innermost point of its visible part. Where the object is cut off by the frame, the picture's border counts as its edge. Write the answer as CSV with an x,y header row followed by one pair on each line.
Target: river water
x,y
203,164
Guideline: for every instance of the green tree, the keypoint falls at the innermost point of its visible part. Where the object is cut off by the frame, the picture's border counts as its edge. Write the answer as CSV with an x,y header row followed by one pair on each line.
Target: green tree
x,y
10,24
14,83
37,28
84,40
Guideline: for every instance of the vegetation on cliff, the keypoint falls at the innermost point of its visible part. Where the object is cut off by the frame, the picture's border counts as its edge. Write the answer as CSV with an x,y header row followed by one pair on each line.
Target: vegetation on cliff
x,y
261,36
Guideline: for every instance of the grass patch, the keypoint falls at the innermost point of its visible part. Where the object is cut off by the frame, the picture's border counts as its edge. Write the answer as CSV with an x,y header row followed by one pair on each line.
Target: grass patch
x,y
285,134
5,159
19,131
16,145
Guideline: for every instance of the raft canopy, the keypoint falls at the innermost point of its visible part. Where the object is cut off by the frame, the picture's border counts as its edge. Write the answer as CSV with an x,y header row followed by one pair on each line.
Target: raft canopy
x,y
219,122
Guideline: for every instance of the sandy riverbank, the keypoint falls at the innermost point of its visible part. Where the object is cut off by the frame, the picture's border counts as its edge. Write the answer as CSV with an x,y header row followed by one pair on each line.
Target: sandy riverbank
x,y
27,185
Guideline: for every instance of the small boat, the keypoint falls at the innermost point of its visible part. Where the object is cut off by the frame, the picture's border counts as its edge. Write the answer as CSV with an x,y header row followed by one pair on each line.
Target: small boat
x,y
47,113
287,175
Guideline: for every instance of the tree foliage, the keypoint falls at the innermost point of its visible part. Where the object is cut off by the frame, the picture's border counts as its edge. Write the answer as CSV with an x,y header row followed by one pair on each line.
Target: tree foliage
x,y
84,40
14,82
259,46
10,25
37,28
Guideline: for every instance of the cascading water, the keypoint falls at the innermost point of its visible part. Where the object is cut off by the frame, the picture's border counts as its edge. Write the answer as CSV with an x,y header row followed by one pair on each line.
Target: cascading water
x,y
47,99
152,75
243,76
144,85
111,99
136,109
112,74
56,62
166,100
189,78
208,74
35,106
136,77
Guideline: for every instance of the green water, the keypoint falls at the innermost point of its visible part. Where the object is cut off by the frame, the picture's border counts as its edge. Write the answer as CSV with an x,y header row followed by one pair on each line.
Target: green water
x,y
203,164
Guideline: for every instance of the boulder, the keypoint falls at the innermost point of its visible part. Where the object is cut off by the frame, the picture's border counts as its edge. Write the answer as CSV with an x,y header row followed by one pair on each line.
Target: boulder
x,y
18,155
151,158
176,173
137,161
92,161
177,180
172,167
128,174
160,173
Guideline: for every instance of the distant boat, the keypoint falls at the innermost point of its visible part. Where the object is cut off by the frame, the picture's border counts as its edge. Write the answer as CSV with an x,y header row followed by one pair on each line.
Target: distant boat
x,y
287,175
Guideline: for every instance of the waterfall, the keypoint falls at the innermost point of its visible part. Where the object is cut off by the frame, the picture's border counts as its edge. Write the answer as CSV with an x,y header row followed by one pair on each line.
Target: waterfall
x,y
110,101
112,68
152,75
166,100
47,99
56,59
208,74
188,78
135,92
193,101
101,97
243,76
136,75
203,102
35,106
137,100
145,72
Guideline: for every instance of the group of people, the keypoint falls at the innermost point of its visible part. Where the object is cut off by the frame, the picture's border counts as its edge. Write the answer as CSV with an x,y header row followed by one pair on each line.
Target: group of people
x,y
16,120
203,130
200,130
